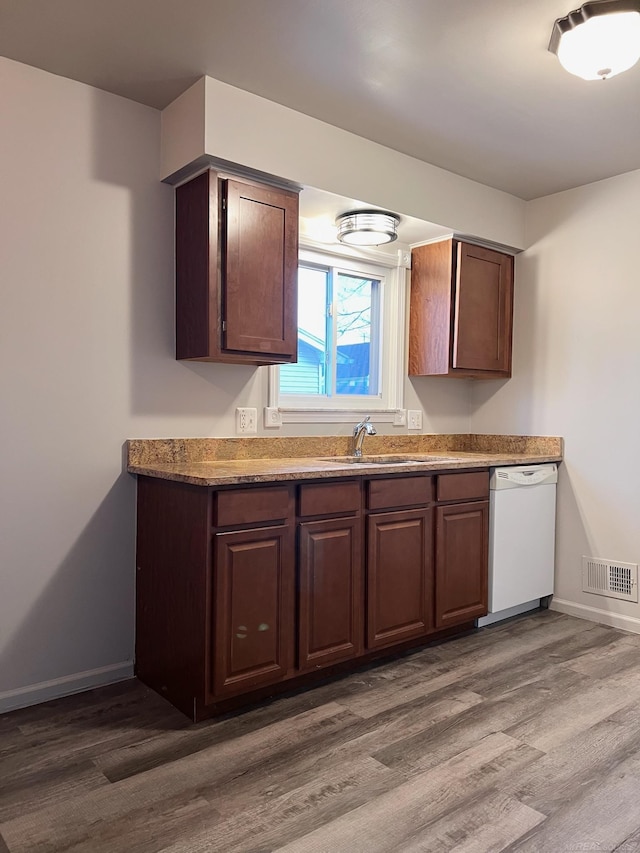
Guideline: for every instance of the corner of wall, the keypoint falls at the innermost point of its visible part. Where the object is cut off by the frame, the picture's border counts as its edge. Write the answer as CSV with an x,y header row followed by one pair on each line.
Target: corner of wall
x,y
182,129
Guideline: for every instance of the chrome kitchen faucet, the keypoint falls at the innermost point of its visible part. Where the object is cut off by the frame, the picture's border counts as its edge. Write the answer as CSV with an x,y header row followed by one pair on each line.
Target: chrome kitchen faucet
x,y
359,431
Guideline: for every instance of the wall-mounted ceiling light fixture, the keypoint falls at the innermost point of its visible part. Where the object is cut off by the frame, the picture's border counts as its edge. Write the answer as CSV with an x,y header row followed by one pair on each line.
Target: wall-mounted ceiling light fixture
x,y
599,39
367,227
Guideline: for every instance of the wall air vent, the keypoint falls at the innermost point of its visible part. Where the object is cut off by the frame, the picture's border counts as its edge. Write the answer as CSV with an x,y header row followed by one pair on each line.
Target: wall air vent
x,y
609,578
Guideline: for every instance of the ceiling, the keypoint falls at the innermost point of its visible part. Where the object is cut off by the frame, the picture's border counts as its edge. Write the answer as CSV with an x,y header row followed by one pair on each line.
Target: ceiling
x,y
467,85
319,209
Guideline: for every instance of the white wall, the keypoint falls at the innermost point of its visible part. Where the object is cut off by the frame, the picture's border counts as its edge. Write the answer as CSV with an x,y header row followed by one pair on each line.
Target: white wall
x,y
86,340
86,344
215,119
576,374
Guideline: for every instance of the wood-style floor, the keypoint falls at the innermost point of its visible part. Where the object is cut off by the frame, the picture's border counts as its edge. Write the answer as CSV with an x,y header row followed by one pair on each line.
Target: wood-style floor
x,y
524,736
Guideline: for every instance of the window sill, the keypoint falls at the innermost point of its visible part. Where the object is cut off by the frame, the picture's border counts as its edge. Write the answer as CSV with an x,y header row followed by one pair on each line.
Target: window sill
x,y
397,417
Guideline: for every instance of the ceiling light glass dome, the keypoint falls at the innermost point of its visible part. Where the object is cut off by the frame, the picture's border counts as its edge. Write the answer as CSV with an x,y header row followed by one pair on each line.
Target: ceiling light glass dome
x,y
598,40
367,227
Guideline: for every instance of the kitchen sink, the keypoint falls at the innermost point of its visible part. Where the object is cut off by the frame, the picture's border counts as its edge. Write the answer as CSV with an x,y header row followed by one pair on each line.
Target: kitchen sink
x,y
370,460
383,459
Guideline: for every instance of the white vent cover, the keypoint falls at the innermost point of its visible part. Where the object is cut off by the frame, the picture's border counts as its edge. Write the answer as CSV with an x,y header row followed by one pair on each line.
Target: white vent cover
x,y
611,579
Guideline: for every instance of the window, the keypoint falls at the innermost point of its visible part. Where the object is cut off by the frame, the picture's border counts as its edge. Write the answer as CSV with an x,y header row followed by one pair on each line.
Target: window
x,y
350,340
339,334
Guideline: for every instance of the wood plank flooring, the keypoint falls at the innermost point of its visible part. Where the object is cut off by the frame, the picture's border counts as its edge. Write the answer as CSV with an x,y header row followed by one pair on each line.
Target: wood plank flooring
x,y
521,737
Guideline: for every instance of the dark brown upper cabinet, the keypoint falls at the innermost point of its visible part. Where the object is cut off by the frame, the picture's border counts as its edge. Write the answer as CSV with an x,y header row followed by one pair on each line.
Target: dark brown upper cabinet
x,y
461,311
236,271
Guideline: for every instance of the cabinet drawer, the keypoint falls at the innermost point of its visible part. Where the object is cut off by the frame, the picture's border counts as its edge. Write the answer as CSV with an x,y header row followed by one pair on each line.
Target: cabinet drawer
x,y
399,491
250,506
330,498
460,487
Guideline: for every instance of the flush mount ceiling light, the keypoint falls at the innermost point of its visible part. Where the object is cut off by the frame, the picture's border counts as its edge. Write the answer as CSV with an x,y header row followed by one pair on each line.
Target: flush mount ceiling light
x,y
367,227
599,39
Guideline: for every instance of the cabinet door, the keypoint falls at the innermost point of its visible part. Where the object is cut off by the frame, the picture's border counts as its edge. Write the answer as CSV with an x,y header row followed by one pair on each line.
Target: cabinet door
x,y
260,273
331,591
253,609
399,576
462,548
483,310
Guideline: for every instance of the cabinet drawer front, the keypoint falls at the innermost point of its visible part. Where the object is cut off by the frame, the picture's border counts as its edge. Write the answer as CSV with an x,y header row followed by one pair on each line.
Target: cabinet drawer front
x,y
250,506
461,487
330,498
399,491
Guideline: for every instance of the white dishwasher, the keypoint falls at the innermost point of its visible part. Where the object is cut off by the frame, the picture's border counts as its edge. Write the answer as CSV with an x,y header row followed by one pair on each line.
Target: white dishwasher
x,y
522,525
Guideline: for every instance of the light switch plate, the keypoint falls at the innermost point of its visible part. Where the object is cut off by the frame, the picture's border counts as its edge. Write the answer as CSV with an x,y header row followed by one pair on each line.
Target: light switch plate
x,y
414,418
404,258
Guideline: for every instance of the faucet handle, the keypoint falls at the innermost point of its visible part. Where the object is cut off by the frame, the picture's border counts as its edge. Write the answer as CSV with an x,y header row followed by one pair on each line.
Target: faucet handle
x,y
361,424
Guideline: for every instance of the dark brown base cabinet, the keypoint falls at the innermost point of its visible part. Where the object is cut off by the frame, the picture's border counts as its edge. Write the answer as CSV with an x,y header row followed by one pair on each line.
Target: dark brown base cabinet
x,y
400,577
246,591
461,541
331,592
253,607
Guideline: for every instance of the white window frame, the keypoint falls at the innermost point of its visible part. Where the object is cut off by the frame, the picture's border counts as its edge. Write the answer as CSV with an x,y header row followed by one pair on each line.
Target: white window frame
x,y
389,406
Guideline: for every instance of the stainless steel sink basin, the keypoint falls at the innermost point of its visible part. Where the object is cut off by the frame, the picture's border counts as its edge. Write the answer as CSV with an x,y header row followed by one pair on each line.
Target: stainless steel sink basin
x,y
369,460
383,459
436,457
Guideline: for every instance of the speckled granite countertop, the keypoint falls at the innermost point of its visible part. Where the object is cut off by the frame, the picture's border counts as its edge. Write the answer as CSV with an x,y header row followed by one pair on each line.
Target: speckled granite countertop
x,y
231,461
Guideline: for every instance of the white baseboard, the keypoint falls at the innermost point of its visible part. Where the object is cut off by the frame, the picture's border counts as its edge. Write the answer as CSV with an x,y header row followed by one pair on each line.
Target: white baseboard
x,y
43,691
594,614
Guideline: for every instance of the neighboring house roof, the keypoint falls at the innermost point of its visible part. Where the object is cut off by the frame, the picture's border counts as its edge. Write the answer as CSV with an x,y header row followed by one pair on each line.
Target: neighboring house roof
x,y
353,360
311,340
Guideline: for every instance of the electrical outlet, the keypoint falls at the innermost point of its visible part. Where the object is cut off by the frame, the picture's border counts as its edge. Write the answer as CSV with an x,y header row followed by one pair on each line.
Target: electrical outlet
x,y
415,418
272,417
246,421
